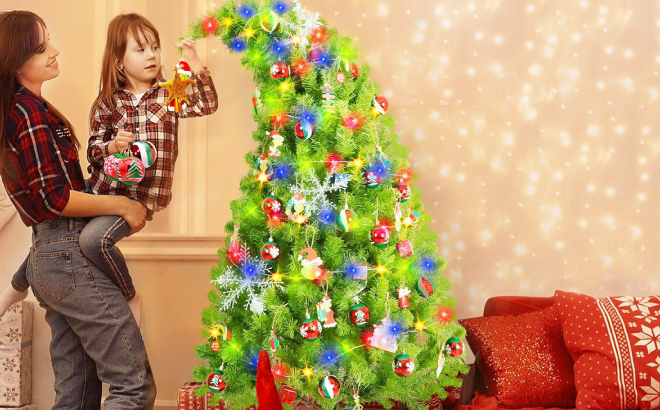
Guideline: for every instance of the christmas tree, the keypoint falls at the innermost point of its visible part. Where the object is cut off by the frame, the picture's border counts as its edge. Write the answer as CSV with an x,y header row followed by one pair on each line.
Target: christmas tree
x,y
329,263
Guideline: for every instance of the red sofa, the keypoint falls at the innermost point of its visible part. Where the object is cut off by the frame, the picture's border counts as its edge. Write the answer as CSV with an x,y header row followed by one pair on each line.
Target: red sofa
x,y
611,344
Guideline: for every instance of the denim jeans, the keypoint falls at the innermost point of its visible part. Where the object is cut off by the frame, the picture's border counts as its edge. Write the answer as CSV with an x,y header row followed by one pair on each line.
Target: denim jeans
x,y
97,241
94,336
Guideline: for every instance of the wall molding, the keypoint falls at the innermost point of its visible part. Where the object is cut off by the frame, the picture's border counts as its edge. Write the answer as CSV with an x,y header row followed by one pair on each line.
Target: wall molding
x,y
161,247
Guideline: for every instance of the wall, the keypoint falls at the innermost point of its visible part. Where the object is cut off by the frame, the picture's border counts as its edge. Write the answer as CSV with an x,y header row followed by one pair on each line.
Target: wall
x,y
530,124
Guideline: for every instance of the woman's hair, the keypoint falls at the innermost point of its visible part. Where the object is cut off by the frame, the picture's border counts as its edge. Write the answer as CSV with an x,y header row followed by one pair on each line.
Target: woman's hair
x,y
20,38
112,78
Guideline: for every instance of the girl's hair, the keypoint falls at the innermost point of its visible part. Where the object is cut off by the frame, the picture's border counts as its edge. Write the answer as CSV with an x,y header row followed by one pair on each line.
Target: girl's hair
x,y
21,35
112,78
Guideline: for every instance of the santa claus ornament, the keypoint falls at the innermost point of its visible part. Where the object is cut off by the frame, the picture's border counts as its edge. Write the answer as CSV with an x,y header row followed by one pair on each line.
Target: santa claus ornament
x,y
380,105
329,387
325,313
403,365
403,297
310,329
311,264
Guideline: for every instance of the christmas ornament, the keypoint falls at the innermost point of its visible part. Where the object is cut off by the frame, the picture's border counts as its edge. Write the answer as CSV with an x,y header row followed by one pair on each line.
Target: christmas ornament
x,y
272,205
359,315
270,252
454,347
235,252
295,208
403,192
288,394
383,338
325,313
279,71
329,387
263,168
127,170
300,67
380,105
304,129
145,151
355,71
404,297
278,140
346,219
273,341
352,121
176,88
328,98
311,265
216,382
341,77
425,287
405,249
397,216
341,180
372,177
256,101
380,236
441,363
310,329
270,22
403,365
215,346
210,26
412,219
356,402
333,162
267,394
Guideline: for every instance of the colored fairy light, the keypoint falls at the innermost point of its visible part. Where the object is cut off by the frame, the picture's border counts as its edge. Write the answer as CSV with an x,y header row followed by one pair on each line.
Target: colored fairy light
x,y
308,371
280,7
246,11
237,45
327,216
419,326
249,269
427,264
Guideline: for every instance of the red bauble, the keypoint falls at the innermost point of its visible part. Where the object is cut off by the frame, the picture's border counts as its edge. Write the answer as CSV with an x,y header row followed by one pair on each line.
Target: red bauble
x,y
341,77
351,122
310,329
210,26
235,253
380,236
215,346
382,102
272,205
279,71
403,365
355,71
216,381
454,347
359,315
270,252
304,130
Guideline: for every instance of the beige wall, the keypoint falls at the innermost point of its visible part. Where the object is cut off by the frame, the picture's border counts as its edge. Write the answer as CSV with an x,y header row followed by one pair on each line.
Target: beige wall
x,y
532,126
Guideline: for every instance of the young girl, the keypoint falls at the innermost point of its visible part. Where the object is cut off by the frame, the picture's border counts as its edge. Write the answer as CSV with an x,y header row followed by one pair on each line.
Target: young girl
x,y
94,336
130,107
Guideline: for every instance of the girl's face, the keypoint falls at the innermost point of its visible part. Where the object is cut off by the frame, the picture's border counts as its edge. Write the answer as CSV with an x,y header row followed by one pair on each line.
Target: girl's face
x,y
42,66
142,59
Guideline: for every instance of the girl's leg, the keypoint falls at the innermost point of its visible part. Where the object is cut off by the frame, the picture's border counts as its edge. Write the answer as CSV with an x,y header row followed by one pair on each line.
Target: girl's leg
x,y
17,291
98,240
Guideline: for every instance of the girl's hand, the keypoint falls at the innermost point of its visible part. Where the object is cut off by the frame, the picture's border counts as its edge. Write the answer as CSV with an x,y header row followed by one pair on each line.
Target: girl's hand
x,y
189,54
121,142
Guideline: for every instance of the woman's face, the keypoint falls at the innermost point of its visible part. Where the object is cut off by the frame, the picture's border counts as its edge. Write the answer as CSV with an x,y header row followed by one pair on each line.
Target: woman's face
x,y
42,66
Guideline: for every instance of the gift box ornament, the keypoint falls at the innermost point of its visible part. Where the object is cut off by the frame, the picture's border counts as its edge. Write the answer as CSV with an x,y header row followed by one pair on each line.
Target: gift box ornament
x,y
16,355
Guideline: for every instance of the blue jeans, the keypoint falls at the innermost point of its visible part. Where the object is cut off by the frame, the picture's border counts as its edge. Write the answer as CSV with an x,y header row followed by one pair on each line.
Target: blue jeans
x,y
97,241
94,336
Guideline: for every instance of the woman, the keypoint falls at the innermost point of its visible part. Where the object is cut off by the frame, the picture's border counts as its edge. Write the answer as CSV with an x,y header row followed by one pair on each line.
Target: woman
x,y
94,336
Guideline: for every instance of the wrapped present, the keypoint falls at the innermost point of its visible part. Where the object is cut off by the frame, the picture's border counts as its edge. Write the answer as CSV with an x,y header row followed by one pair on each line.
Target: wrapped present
x,y
16,355
186,399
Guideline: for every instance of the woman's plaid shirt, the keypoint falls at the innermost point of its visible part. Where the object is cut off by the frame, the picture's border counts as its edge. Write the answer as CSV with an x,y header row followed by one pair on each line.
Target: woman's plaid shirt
x,y
149,120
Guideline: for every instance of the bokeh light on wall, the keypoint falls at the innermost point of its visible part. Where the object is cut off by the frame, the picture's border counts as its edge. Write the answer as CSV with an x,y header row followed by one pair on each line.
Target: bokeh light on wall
x,y
533,129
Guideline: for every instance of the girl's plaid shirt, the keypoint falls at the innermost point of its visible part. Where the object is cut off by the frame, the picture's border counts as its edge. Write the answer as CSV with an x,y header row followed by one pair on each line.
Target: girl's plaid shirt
x,y
151,121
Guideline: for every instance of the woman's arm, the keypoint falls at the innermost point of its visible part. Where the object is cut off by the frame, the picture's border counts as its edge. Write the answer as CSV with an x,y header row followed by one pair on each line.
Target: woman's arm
x,y
84,205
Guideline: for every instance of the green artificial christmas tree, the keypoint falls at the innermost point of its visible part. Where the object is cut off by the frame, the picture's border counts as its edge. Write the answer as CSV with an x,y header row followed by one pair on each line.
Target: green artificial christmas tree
x,y
330,263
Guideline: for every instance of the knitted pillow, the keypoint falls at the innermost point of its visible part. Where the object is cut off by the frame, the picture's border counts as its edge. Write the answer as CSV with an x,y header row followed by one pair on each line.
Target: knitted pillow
x,y
523,359
615,343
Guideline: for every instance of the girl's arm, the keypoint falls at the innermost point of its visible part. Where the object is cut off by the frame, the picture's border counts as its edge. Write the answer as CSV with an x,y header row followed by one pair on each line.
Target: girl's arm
x,y
204,99
100,142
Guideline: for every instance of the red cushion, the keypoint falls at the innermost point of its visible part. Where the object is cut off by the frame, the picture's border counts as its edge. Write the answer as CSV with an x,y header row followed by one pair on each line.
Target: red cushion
x,y
523,359
515,305
615,343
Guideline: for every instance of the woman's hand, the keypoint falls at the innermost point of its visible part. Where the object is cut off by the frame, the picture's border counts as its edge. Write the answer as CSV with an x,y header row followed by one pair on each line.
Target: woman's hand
x,y
134,213
189,54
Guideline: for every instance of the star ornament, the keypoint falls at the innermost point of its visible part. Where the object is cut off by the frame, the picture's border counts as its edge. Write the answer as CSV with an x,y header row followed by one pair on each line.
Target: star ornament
x,y
176,90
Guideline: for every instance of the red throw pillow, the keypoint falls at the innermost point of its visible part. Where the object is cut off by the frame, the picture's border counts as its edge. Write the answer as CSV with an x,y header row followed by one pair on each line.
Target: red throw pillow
x,y
523,359
615,343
